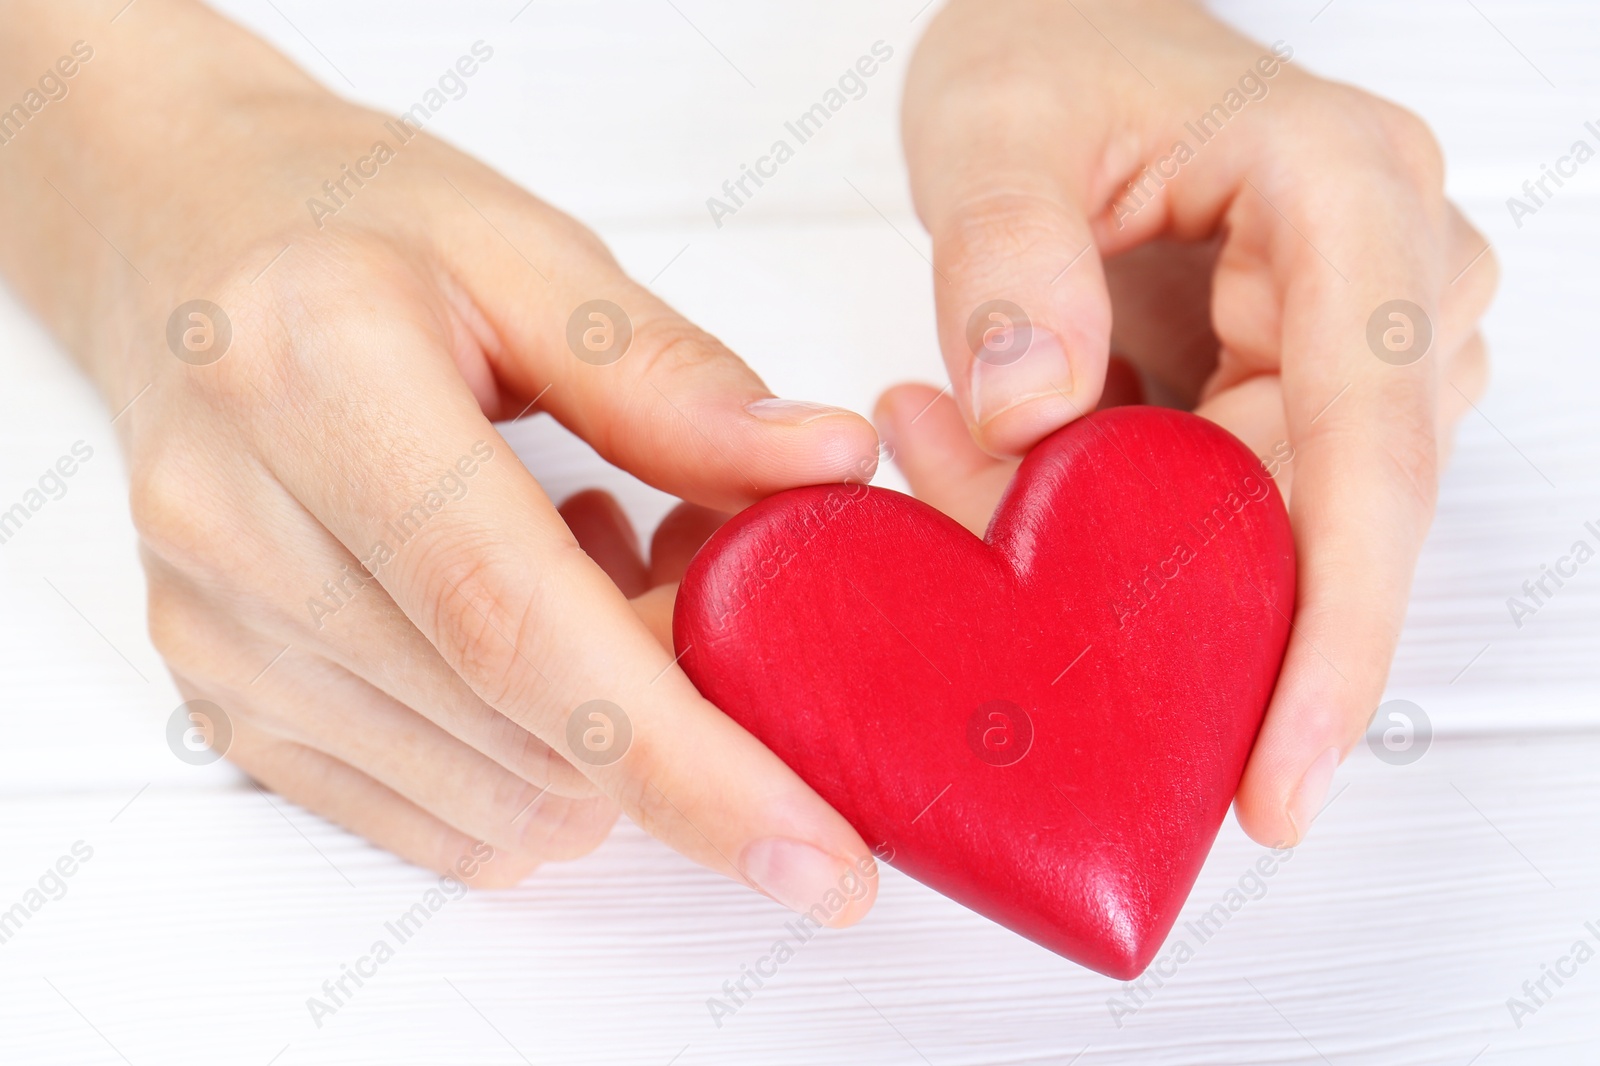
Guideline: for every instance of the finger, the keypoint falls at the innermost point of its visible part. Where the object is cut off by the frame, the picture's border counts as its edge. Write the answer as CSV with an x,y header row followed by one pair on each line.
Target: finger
x,y
604,533
650,391
355,801
1252,410
932,448
944,468
1466,379
1248,305
654,609
1000,180
322,706
1474,276
341,619
678,537
306,699
497,584
1364,432
1161,322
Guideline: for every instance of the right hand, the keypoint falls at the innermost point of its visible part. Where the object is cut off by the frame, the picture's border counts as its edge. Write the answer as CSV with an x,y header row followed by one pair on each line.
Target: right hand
x,y
431,705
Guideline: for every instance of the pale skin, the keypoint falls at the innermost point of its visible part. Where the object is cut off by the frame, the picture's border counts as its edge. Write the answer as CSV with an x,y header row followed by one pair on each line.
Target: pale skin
x,y
431,710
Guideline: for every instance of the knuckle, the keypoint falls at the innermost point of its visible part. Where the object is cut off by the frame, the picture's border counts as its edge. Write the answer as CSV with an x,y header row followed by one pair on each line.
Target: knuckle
x,y
1481,279
1410,454
487,621
1411,142
537,761
189,518
1472,369
255,311
1350,121
565,231
669,346
643,790
168,507
1482,370
468,624
665,349
1395,472
1489,283
511,799
173,632
282,319
282,720
278,763
582,827
158,504
987,232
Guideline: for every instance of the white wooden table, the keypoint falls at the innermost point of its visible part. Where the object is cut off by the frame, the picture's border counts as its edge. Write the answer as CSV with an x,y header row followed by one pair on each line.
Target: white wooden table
x,y
208,912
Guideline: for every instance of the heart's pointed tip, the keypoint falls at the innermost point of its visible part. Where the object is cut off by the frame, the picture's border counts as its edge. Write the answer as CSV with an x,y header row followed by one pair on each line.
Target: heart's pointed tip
x,y
1111,921
1122,953
1125,959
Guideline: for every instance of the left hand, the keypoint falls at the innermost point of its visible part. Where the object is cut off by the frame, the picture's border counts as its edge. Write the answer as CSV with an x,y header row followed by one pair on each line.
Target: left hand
x,y
1247,274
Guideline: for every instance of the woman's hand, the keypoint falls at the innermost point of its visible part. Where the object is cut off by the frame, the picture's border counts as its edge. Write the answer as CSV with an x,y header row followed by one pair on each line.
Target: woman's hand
x,y
1268,248
342,552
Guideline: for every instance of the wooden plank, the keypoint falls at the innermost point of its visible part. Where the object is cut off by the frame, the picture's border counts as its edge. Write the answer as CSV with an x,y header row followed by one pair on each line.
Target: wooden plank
x,y
203,923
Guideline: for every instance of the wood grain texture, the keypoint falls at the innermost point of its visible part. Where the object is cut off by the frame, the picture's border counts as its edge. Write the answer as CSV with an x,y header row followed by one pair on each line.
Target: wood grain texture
x,y
1047,725
204,922
1395,935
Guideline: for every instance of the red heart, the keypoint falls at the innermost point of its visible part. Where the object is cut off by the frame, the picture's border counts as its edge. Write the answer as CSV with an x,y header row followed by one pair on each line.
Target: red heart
x,y
1047,725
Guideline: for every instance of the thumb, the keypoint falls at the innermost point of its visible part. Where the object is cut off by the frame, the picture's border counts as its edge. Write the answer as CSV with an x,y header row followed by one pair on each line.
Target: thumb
x,y
1023,311
650,391
1024,329
932,448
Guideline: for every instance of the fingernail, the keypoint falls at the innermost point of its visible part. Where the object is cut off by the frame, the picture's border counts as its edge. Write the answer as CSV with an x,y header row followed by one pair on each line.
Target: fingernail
x,y
1313,790
796,875
1042,371
791,412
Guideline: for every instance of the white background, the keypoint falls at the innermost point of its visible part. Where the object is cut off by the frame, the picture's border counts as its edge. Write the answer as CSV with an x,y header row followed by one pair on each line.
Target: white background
x,y
1426,896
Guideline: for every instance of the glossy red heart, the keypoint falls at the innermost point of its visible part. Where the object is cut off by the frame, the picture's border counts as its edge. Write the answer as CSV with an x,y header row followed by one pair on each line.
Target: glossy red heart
x,y
1047,725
